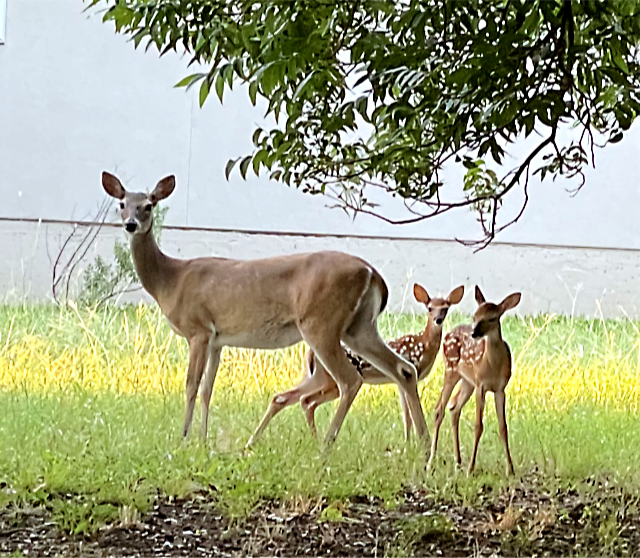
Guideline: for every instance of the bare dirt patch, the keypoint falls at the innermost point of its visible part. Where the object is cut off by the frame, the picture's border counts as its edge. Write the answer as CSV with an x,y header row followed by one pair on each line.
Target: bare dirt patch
x,y
521,521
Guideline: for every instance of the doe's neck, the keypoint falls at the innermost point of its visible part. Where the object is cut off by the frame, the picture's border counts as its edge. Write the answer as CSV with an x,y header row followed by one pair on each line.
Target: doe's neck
x,y
155,269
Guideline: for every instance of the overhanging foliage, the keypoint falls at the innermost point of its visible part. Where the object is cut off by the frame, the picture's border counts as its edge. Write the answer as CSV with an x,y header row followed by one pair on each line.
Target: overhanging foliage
x,y
383,93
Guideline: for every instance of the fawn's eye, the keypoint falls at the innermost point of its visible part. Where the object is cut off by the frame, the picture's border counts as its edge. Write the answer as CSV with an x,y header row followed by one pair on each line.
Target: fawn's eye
x,y
121,204
148,207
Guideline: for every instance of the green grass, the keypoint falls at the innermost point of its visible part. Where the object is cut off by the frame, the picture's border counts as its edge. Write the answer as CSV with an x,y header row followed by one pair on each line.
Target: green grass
x,y
81,438
121,450
63,326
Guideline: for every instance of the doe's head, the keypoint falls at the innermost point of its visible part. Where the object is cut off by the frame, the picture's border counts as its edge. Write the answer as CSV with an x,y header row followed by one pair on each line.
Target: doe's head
x,y
438,307
136,208
487,317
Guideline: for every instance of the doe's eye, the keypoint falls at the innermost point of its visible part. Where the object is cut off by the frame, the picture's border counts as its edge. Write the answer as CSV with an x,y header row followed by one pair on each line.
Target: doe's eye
x,y
121,204
148,207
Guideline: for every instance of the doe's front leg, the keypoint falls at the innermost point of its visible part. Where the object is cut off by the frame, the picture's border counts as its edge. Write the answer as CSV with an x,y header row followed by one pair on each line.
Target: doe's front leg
x,y
197,361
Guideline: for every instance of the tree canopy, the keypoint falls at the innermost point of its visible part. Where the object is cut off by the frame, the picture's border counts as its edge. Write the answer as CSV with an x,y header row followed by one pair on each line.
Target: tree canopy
x,y
382,94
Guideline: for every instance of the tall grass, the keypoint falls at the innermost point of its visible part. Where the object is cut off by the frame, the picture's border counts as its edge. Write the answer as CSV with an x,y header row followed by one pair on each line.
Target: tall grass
x,y
122,351
558,362
91,403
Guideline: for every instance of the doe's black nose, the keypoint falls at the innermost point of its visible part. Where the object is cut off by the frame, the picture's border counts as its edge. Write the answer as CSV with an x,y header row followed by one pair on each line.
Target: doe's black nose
x,y
131,226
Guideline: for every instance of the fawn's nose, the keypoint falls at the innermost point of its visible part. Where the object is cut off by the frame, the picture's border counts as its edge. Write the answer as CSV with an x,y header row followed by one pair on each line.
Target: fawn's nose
x,y
130,226
439,321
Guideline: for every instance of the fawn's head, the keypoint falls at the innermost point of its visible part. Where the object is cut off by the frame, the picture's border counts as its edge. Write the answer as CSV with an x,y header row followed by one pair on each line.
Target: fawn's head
x,y
136,208
487,317
438,307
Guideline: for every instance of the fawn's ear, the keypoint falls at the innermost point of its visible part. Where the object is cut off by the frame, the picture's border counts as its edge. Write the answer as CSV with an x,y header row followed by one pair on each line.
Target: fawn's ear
x,y
421,294
456,295
163,189
112,185
510,302
479,296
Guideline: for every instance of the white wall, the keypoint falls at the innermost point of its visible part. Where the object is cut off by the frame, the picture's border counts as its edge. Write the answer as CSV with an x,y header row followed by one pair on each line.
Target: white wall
x,y
75,99
560,280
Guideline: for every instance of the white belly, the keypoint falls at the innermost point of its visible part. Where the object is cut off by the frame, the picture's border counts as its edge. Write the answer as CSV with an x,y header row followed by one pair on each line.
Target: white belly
x,y
267,338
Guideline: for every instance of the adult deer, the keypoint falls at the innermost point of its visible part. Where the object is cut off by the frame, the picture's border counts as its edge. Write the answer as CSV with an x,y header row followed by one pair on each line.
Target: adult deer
x,y
478,356
325,298
318,387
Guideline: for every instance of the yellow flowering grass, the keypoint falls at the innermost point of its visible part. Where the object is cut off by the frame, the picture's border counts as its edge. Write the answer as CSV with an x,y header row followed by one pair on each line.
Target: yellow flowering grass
x,y
133,351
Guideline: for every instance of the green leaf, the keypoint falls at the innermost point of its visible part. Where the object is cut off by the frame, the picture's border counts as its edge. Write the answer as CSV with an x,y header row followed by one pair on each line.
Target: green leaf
x,y
219,86
620,62
301,86
253,92
229,167
244,166
258,159
532,21
200,41
190,80
204,92
256,136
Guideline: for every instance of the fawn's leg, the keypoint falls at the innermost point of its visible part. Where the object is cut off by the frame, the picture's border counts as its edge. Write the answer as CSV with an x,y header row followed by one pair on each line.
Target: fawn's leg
x,y
463,395
451,378
502,422
480,397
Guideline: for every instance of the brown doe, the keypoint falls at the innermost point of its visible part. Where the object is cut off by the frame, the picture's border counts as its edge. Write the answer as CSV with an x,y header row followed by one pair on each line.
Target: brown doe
x,y
478,357
317,386
326,298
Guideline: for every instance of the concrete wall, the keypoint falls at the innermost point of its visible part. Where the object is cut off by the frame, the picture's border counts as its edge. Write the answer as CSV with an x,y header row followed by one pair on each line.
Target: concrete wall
x,y
552,279
76,99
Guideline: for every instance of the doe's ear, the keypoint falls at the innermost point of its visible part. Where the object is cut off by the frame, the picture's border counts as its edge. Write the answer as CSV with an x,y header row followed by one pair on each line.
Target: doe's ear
x,y
456,295
112,185
163,189
479,296
421,294
510,302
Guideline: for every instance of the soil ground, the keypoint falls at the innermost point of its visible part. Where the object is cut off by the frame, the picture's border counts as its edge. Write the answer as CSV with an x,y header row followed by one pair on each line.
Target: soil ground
x,y
521,521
